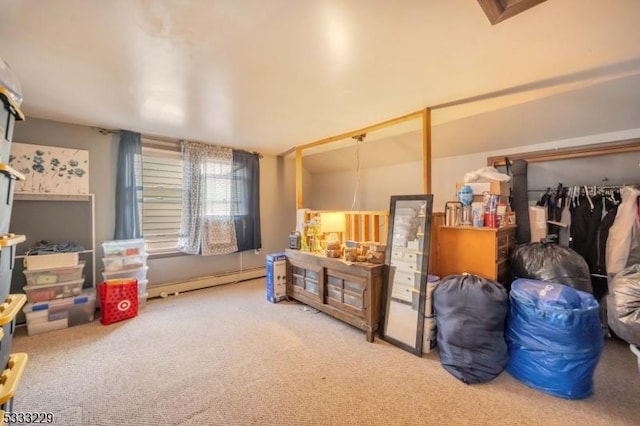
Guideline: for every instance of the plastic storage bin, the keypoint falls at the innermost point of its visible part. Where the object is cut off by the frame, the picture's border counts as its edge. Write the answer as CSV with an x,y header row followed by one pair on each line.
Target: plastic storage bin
x,y
139,274
54,275
121,263
142,287
8,311
9,113
41,293
53,260
60,313
133,247
8,178
12,376
8,244
142,300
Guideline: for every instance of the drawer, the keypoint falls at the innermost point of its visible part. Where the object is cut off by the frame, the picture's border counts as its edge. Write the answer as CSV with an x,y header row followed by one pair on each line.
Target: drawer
x,y
334,281
312,287
502,240
401,292
402,266
397,253
355,301
354,286
404,278
298,281
334,293
502,254
410,256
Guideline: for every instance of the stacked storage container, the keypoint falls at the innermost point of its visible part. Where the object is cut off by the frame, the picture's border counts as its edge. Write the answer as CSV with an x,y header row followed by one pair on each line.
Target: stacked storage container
x,y
12,364
55,294
127,259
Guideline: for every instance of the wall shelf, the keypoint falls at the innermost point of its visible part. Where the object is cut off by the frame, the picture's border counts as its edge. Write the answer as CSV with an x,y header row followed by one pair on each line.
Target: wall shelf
x,y
37,220
51,197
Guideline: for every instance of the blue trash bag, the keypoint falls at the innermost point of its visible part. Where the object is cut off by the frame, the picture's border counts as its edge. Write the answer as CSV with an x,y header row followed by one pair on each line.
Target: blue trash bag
x,y
555,338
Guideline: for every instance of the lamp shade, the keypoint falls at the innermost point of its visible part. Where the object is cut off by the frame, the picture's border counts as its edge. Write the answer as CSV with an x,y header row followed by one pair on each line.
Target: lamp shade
x,y
332,222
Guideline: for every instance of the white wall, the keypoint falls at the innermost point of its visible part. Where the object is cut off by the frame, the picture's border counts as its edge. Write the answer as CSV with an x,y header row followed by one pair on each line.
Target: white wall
x,y
449,170
335,191
277,201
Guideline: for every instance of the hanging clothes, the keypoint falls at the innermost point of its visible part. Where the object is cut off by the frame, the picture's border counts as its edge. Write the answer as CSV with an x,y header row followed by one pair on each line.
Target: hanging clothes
x,y
622,244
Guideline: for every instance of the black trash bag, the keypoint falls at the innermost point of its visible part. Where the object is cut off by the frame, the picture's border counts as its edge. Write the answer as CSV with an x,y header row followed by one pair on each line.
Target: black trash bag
x,y
623,304
546,261
470,316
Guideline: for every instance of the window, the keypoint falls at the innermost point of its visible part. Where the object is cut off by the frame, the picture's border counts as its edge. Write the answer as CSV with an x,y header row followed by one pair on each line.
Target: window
x,y
160,196
222,219
218,184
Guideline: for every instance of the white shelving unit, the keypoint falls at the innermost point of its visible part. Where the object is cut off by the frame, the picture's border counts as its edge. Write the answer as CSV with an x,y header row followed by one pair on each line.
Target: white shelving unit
x,y
89,198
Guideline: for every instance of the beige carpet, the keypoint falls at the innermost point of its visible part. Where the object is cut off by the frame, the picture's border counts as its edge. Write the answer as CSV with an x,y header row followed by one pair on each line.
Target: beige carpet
x,y
225,356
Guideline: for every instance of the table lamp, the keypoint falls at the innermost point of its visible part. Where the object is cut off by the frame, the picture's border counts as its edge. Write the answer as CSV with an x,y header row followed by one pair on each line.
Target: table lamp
x,y
332,224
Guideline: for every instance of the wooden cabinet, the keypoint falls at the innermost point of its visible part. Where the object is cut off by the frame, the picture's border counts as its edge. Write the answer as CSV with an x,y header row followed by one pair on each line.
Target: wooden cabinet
x,y
480,251
348,292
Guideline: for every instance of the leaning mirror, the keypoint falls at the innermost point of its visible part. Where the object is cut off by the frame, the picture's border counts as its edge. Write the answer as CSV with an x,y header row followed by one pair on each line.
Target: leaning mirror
x,y
407,260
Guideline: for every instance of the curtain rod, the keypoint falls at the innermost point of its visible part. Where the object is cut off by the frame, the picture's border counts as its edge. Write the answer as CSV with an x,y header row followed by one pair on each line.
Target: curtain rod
x,y
104,131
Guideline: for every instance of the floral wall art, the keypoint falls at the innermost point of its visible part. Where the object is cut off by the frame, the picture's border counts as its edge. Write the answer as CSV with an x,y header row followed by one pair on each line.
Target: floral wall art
x,y
50,170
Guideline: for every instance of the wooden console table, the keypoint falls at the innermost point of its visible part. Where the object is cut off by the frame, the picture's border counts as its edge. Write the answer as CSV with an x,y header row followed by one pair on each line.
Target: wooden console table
x,y
350,292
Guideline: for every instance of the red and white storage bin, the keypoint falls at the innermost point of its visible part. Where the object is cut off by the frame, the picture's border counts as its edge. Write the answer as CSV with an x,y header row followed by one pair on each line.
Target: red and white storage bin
x,y
118,300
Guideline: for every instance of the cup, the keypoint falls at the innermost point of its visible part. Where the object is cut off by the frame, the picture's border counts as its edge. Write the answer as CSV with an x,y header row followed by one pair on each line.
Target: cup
x,y
491,220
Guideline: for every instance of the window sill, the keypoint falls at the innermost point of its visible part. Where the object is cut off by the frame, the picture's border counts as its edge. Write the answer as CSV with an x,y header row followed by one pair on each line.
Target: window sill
x,y
165,254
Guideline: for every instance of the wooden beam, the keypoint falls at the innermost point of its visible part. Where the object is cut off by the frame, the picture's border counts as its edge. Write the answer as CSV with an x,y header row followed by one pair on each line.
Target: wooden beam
x,y
426,150
367,129
581,151
499,10
299,200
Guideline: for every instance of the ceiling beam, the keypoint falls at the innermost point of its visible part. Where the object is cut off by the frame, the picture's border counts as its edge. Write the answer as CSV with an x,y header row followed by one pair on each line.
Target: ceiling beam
x,y
499,10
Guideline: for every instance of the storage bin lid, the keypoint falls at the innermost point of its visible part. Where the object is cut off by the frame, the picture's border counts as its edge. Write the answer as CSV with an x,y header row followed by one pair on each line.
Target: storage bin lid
x,y
12,375
8,240
10,308
10,172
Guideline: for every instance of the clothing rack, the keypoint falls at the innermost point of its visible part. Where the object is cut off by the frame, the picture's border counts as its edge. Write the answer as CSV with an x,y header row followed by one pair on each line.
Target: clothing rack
x,y
598,187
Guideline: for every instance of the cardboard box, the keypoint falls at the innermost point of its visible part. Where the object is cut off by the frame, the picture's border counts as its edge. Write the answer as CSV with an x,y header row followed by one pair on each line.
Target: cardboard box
x,y
276,277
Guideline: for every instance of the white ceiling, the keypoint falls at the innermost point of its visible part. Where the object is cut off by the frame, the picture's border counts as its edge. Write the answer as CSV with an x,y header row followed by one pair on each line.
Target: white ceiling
x,y
267,75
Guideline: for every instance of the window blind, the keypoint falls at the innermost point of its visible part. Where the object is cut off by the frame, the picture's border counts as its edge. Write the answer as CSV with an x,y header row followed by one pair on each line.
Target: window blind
x,y
160,198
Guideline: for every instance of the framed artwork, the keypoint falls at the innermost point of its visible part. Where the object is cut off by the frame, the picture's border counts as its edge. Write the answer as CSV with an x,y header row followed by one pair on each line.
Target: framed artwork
x,y
50,169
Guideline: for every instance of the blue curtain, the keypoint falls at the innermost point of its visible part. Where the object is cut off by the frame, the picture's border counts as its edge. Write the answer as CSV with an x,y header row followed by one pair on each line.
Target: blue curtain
x,y
129,162
246,194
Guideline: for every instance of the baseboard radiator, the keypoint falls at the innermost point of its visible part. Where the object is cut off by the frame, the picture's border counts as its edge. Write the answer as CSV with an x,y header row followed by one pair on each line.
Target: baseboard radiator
x,y
205,282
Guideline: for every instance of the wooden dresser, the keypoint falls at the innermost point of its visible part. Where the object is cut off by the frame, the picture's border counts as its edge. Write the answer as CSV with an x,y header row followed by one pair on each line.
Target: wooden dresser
x,y
348,292
480,251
